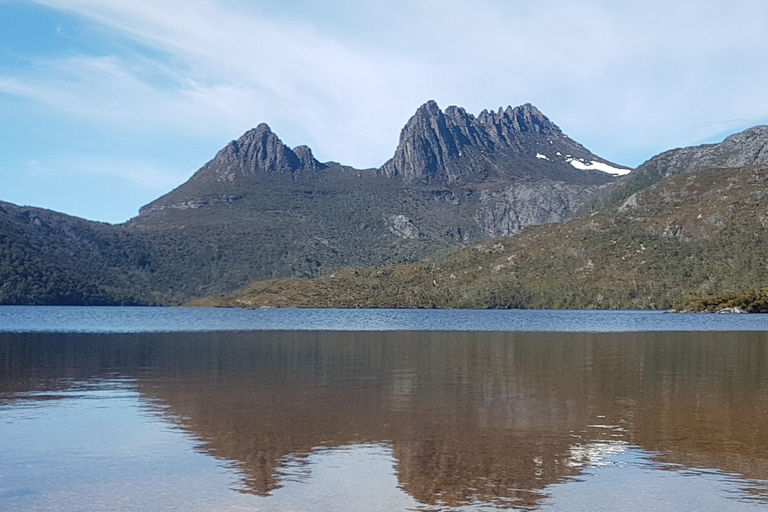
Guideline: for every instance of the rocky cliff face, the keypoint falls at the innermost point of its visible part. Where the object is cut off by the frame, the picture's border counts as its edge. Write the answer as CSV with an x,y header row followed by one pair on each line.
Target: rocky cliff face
x,y
455,146
508,210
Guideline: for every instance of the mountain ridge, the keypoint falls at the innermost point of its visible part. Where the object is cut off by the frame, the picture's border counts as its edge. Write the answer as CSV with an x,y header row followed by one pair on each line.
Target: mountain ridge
x,y
262,210
746,148
433,143
451,147
310,218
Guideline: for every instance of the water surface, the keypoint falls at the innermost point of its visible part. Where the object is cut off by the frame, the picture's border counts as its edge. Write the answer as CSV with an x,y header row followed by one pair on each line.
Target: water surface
x,y
389,420
159,319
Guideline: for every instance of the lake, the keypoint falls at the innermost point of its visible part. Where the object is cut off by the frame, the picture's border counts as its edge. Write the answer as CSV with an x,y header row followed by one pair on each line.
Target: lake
x,y
381,410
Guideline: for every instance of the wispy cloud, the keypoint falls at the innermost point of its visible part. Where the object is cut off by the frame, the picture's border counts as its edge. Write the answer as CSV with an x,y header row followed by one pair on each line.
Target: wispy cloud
x,y
136,173
622,77
225,68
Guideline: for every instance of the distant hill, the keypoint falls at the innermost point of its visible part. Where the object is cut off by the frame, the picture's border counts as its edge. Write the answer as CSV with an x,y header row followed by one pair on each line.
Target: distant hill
x,y
52,258
743,149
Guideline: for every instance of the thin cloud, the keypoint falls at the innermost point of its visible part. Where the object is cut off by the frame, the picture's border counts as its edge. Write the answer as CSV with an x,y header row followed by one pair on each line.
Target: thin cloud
x,y
624,78
136,173
261,70
124,94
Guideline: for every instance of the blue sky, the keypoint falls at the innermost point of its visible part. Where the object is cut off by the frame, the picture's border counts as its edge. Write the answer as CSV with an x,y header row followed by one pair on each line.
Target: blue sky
x,y
108,104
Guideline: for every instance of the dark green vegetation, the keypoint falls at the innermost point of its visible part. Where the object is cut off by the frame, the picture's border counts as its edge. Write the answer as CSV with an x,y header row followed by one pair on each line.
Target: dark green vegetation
x,y
51,258
690,235
747,302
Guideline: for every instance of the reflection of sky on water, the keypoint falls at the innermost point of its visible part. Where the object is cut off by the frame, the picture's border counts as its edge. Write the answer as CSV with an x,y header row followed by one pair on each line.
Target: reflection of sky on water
x,y
630,481
102,448
106,448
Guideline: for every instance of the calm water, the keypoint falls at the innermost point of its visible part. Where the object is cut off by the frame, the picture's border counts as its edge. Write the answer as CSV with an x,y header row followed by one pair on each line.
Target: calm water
x,y
385,420
145,319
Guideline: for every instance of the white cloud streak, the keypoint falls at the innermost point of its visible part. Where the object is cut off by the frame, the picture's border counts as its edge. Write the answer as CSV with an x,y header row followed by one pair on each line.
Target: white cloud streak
x,y
136,173
622,77
231,69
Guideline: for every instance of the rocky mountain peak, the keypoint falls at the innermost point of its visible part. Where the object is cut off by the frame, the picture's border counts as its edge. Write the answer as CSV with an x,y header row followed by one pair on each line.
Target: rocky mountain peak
x,y
427,141
261,150
752,144
439,145
258,150
428,109
522,119
306,158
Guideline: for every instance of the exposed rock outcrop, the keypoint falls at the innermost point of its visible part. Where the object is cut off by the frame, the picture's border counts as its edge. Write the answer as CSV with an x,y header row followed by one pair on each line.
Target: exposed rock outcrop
x,y
747,148
403,227
507,211
258,152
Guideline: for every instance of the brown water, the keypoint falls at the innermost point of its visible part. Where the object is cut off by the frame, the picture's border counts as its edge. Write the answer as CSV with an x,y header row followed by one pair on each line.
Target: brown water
x,y
384,421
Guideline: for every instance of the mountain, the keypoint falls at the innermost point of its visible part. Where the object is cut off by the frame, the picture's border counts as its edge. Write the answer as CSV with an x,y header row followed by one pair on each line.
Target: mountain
x,y
454,146
260,210
695,230
438,152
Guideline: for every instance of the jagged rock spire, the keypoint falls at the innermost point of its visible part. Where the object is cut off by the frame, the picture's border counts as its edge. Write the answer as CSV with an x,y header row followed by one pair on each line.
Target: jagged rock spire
x,y
259,150
432,140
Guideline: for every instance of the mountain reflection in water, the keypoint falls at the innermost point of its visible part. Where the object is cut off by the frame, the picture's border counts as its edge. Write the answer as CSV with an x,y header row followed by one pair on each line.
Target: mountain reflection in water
x,y
470,418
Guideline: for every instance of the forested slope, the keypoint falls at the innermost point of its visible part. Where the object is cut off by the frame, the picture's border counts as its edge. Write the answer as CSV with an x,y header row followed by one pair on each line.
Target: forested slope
x,y
688,235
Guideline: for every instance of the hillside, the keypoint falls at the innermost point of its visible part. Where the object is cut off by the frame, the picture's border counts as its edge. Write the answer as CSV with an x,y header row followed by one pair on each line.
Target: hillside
x,y
51,258
743,149
691,234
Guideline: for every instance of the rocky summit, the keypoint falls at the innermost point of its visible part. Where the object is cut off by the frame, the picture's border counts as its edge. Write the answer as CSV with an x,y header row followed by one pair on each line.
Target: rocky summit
x,y
257,151
454,146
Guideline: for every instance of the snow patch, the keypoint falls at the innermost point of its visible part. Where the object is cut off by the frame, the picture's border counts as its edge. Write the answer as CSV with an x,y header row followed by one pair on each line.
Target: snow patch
x,y
586,165
541,157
